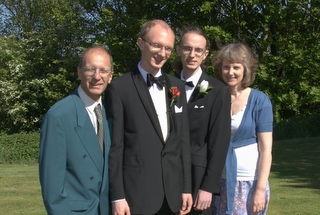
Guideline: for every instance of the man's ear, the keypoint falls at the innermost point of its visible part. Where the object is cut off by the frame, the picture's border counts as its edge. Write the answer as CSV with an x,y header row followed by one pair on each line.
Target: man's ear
x,y
206,53
140,43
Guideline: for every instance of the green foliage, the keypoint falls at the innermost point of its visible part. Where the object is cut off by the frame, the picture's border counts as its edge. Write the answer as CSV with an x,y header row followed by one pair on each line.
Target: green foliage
x,y
19,148
38,63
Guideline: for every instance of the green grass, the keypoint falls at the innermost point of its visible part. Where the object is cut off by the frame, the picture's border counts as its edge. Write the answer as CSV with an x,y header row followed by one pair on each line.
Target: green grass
x,y
295,177
20,190
294,181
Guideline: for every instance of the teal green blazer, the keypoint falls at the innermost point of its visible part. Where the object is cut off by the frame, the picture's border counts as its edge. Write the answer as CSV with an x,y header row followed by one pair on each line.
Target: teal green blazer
x,y
73,171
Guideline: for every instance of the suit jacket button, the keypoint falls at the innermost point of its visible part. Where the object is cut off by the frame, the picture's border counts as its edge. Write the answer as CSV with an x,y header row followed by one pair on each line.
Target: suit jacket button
x,y
163,154
91,178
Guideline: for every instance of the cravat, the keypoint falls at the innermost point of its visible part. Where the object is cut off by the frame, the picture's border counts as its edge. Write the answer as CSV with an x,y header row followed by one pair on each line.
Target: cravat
x,y
189,83
98,112
160,81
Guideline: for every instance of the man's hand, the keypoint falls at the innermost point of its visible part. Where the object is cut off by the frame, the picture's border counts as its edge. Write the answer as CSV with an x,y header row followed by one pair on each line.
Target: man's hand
x,y
120,208
186,203
203,200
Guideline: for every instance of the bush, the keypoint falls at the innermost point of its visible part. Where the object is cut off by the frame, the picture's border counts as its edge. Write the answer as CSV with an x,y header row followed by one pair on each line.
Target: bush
x,y
300,126
19,148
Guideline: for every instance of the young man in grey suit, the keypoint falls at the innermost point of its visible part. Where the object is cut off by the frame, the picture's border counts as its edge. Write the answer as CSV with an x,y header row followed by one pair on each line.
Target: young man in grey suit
x,y
74,143
150,169
209,118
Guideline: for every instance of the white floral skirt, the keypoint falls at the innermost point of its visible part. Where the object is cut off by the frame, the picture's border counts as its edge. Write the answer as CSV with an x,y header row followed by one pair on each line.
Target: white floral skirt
x,y
242,201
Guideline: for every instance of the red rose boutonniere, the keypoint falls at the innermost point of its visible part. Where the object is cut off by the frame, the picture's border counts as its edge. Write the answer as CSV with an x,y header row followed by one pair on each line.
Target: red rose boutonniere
x,y
175,93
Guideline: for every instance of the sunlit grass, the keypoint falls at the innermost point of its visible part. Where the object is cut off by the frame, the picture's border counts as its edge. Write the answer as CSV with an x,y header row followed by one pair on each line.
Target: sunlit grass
x,y
294,181
295,177
20,190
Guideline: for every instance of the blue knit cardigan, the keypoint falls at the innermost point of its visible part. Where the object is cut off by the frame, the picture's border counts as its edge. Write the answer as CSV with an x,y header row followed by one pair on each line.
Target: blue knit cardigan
x,y
257,118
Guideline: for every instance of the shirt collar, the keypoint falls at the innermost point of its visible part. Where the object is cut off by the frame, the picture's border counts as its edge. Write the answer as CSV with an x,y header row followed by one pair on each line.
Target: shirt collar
x,y
88,102
194,78
144,73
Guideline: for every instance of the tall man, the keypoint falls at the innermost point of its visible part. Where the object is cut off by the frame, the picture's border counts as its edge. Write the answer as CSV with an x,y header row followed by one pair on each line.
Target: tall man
x,y
209,119
75,141
150,167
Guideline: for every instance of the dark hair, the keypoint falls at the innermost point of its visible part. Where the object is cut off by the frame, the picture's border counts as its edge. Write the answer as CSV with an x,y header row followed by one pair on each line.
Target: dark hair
x,y
96,47
150,24
177,64
237,53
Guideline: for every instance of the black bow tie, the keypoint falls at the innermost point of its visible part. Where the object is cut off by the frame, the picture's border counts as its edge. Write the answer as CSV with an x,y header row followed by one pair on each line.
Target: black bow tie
x,y
189,83
160,81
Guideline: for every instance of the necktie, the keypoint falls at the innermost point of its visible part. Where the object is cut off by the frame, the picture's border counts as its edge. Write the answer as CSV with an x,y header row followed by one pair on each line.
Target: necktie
x,y
98,112
160,81
189,83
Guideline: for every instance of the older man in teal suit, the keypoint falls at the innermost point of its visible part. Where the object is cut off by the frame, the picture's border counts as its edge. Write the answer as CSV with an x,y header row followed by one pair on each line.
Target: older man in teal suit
x,y
75,141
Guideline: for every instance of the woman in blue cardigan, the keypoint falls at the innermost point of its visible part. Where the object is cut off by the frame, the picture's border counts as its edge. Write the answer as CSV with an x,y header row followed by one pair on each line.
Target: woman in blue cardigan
x,y
244,183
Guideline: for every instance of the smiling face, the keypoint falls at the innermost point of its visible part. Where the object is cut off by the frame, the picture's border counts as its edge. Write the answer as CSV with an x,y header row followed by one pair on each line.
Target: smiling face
x,y
232,73
154,56
193,52
95,84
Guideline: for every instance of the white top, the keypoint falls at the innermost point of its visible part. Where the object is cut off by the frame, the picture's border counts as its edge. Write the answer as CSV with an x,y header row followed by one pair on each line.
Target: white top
x,y
247,156
90,104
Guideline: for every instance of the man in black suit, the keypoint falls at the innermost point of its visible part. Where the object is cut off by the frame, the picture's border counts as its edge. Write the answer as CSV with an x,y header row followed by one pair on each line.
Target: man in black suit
x,y
150,162
209,116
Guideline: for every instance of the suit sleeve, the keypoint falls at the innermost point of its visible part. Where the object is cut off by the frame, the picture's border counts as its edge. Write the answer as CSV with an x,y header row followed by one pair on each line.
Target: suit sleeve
x,y
218,140
52,165
115,111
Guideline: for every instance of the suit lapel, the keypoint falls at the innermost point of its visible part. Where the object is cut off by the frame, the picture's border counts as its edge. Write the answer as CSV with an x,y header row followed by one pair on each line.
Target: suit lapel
x,y
168,101
146,100
195,93
107,143
87,135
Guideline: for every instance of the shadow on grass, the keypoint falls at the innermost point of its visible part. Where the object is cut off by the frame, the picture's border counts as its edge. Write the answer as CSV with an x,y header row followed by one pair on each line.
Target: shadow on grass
x,y
299,161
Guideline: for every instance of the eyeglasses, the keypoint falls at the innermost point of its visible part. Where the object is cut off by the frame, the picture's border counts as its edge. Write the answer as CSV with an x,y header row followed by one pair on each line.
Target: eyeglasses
x,y
90,70
158,47
198,52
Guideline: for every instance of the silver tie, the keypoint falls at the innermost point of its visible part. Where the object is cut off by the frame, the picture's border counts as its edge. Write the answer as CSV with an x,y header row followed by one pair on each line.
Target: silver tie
x,y
98,112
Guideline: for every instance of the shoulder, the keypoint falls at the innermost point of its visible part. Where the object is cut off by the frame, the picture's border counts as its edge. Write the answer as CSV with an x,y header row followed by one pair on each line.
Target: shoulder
x,y
215,83
258,94
65,105
120,79
259,98
174,80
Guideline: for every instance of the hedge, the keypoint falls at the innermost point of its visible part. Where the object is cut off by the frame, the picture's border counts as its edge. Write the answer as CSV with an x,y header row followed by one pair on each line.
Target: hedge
x,y
23,148
19,148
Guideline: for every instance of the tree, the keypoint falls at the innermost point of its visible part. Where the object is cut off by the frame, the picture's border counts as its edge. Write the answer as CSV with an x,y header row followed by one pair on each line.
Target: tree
x,y
40,66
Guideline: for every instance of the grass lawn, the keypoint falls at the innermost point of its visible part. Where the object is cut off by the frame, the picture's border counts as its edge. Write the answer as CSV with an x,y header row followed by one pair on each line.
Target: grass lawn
x,y
20,190
295,177
294,181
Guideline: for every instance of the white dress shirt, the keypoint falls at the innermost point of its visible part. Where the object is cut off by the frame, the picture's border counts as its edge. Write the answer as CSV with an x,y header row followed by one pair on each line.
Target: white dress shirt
x,y
159,101
194,78
90,104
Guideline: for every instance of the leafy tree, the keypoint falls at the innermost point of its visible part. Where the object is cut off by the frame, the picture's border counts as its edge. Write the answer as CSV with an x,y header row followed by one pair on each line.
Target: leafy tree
x,y
38,63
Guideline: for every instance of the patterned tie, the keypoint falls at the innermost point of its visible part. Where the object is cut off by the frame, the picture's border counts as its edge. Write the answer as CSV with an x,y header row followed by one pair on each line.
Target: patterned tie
x,y
98,112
